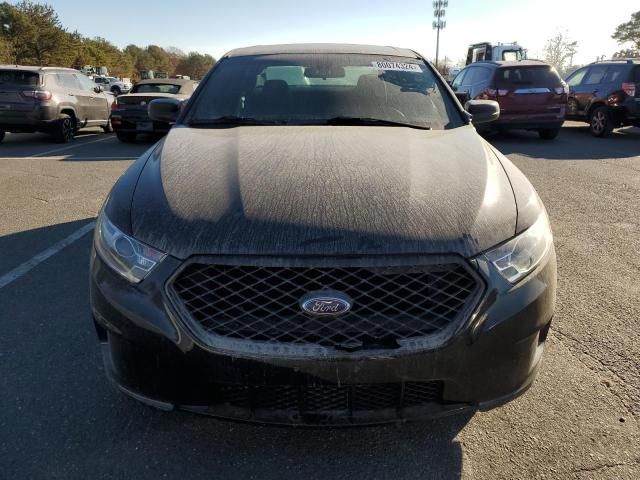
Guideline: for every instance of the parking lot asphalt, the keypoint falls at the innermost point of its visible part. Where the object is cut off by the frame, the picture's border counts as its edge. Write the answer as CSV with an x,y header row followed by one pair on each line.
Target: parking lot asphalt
x,y
61,419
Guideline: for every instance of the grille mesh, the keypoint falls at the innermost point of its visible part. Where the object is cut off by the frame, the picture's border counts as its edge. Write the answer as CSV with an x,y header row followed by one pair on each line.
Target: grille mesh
x,y
318,399
261,304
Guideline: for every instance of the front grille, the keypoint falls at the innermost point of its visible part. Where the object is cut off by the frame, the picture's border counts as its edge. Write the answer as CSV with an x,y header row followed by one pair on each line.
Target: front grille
x,y
335,399
262,304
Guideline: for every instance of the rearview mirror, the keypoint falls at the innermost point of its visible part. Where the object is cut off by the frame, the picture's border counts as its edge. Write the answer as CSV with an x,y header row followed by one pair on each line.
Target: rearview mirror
x,y
164,110
483,111
98,89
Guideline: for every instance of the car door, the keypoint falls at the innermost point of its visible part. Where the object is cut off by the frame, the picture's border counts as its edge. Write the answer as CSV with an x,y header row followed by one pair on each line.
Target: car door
x,y
591,88
75,95
98,106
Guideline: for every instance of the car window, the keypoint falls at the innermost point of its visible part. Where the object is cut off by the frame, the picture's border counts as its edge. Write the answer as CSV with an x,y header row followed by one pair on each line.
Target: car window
x,y
615,74
528,76
482,75
315,88
469,79
576,78
156,88
68,80
19,77
596,75
85,82
459,79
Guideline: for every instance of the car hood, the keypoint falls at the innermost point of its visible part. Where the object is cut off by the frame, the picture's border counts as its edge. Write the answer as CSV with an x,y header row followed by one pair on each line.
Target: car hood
x,y
322,190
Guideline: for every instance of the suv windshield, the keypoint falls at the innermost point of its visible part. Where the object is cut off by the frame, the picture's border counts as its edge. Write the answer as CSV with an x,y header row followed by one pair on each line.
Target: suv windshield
x,y
156,88
321,89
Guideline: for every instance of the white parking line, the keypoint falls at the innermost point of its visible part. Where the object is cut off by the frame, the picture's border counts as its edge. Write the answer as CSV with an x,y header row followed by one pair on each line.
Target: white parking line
x,y
20,270
76,145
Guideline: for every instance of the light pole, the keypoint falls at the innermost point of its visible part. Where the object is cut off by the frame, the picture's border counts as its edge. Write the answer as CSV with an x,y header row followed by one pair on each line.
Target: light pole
x,y
439,11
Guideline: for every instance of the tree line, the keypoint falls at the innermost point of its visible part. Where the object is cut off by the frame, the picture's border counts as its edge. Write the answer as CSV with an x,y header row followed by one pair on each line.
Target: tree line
x,y
32,34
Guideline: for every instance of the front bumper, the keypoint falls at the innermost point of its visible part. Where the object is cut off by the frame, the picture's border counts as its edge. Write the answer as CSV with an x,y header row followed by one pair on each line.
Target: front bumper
x,y
151,356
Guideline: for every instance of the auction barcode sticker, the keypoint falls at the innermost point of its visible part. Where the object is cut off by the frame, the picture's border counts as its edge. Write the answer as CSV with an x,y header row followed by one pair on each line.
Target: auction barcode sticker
x,y
398,66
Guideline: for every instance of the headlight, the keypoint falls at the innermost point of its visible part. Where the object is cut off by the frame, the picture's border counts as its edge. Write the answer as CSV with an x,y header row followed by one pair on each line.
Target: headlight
x,y
522,254
127,256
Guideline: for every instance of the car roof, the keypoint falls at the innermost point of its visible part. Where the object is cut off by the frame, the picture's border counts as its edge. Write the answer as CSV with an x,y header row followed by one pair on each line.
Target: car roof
x,y
166,81
34,68
322,48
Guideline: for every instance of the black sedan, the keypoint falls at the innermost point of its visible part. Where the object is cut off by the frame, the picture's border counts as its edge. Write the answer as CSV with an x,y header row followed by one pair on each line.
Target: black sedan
x,y
323,238
129,115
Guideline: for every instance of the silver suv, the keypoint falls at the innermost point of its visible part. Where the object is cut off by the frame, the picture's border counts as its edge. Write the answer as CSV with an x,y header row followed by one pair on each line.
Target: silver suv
x,y
58,101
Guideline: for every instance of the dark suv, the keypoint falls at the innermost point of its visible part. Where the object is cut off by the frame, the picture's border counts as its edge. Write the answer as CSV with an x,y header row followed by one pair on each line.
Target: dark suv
x,y
58,101
606,95
531,94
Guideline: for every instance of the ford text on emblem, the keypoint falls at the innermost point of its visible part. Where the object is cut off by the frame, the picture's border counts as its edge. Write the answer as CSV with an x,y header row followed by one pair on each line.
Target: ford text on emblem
x,y
325,303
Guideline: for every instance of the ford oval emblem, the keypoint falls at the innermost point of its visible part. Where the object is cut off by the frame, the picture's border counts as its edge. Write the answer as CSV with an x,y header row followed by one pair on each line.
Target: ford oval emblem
x,y
326,303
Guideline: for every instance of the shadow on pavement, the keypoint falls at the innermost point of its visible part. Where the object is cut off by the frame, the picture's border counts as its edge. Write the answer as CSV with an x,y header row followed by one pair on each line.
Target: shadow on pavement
x,y
61,418
622,143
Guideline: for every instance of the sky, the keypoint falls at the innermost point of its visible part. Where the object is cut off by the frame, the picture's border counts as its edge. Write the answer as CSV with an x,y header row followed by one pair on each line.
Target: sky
x,y
215,27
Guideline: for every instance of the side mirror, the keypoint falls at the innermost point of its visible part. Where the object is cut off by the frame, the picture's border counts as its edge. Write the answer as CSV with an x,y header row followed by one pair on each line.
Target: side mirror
x,y
98,89
483,111
164,110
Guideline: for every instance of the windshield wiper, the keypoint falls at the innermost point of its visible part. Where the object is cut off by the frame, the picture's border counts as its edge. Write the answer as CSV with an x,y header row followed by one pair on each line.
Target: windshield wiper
x,y
232,120
345,120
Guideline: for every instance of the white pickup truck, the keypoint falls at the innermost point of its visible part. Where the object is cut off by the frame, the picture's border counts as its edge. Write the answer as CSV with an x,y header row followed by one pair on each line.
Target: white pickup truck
x,y
480,52
113,85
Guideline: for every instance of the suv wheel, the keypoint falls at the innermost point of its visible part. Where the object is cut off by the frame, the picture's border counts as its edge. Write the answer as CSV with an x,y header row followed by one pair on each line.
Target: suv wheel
x,y
548,133
116,90
572,107
600,122
65,129
126,137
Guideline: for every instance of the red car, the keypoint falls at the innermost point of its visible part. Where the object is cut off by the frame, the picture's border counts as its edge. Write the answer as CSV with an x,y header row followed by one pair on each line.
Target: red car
x,y
531,94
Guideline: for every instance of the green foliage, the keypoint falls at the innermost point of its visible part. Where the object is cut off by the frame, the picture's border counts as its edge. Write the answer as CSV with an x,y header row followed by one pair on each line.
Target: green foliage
x,y
629,33
32,34
195,65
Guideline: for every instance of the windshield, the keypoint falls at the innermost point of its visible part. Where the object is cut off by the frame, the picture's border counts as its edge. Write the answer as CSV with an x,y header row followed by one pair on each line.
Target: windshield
x,y
323,89
156,88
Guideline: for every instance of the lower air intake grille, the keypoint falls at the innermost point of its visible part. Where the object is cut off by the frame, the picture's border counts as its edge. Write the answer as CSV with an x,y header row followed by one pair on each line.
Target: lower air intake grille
x,y
319,399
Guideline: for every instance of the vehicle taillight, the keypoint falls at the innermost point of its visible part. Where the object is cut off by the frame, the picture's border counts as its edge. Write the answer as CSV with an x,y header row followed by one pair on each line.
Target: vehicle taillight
x,y
629,88
115,105
37,94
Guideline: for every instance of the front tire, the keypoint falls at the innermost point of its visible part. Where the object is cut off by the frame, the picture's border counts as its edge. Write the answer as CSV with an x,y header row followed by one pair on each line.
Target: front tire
x,y
108,128
116,91
65,129
548,133
600,122
126,137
